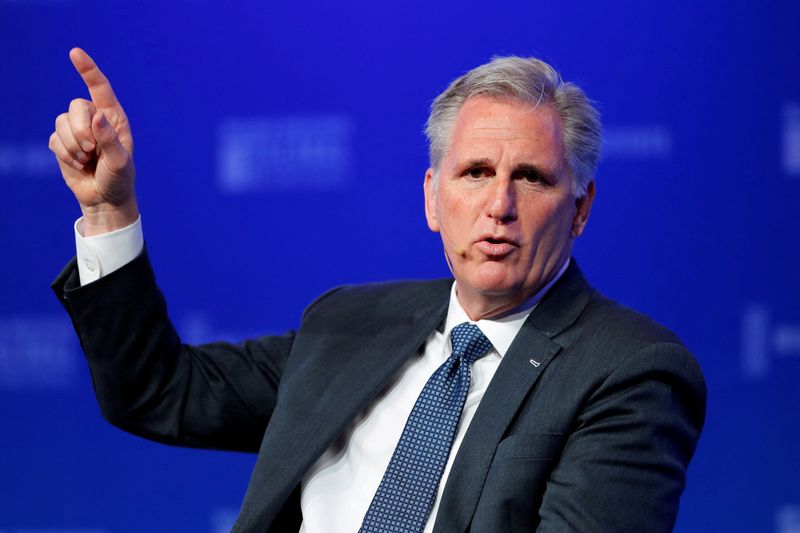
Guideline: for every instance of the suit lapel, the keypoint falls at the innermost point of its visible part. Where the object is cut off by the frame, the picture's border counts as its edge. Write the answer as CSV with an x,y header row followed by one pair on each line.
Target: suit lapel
x,y
521,367
345,378
339,384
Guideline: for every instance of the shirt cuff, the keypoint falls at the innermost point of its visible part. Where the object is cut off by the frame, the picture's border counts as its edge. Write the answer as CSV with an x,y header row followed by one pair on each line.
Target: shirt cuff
x,y
100,255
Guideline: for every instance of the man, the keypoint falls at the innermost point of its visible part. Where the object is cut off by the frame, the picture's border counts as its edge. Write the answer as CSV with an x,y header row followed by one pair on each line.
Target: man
x,y
515,399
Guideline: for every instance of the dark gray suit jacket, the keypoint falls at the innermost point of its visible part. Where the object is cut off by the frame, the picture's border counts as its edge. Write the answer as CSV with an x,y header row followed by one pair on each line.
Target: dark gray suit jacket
x,y
589,423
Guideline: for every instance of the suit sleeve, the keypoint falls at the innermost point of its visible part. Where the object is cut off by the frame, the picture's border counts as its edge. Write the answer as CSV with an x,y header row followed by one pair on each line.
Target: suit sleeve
x,y
147,382
623,468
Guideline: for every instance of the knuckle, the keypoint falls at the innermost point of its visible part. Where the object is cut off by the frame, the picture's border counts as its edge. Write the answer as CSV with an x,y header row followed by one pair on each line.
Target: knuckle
x,y
83,132
63,156
59,150
81,105
71,145
70,148
54,144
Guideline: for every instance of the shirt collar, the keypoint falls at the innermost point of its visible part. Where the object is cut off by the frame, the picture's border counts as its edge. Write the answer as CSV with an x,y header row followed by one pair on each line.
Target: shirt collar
x,y
500,331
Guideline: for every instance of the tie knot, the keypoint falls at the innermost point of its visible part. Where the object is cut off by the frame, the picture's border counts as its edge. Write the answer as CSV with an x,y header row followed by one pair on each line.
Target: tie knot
x,y
469,342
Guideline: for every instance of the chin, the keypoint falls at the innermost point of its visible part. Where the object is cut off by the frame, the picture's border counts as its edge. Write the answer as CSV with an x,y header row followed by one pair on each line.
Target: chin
x,y
494,281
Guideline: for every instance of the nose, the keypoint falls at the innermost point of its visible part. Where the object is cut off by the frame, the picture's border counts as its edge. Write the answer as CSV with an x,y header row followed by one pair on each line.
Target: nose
x,y
502,201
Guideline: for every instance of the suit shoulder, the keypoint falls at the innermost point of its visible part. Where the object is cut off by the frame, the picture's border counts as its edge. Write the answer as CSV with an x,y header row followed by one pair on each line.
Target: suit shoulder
x,y
398,295
612,339
612,324
630,345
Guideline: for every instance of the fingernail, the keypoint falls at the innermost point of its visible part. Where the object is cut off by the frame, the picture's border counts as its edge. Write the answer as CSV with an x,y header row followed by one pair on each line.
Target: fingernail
x,y
82,157
87,146
77,165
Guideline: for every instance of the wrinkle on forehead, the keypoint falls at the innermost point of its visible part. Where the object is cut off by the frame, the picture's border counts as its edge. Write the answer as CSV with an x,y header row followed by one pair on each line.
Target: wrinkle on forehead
x,y
483,116
487,128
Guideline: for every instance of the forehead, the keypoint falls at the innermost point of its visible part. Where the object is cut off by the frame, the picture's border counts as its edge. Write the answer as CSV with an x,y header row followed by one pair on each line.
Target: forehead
x,y
497,129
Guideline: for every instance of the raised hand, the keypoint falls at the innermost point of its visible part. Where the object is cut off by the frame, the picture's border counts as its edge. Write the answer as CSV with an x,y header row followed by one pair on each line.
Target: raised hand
x,y
94,149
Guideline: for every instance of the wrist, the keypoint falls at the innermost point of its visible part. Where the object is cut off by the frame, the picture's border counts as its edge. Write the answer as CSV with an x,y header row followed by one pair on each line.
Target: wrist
x,y
104,218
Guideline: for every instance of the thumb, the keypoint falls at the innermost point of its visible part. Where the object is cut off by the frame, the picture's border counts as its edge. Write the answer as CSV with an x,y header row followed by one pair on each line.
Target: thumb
x,y
108,142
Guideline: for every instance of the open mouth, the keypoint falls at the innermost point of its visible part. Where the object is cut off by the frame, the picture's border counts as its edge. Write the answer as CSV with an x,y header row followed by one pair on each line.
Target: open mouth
x,y
495,247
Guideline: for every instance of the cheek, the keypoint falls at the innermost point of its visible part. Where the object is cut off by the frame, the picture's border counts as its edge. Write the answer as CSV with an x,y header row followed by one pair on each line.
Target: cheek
x,y
454,214
552,229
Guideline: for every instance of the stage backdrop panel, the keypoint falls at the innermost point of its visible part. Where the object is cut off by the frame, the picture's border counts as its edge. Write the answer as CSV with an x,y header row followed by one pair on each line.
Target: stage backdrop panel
x,y
279,152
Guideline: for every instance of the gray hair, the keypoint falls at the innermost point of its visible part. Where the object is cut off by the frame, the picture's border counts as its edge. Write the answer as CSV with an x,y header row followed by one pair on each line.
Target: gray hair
x,y
531,81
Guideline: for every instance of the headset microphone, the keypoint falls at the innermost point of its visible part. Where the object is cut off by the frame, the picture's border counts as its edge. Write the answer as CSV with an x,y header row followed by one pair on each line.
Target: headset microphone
x,y
458,250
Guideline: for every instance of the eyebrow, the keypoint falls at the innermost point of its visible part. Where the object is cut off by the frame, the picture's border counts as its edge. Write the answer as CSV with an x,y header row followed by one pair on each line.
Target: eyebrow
x,y
522,167
527,167
483,162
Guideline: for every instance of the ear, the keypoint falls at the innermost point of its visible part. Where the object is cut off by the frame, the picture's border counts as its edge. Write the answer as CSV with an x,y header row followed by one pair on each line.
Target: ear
x,y
583,206
430,201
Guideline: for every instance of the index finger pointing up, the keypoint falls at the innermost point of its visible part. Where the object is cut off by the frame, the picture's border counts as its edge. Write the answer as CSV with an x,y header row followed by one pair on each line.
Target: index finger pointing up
x,y
99,88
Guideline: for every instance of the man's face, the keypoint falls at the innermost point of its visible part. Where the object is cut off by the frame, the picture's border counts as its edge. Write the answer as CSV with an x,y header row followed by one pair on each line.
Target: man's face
x,y
504,204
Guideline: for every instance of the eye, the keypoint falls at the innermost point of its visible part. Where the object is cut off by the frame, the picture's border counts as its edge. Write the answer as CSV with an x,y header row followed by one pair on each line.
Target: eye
x,y
476,172
531,176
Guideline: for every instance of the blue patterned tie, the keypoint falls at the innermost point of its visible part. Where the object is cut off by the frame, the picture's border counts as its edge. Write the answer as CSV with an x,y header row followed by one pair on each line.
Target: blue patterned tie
x,y
405,496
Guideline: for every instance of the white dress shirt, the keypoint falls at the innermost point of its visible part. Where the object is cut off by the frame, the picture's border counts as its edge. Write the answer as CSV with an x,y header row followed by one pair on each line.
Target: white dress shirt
x,y
338,489
100,255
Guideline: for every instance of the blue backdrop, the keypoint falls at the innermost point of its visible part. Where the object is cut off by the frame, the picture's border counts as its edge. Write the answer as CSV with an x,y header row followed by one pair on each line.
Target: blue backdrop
x,y
279,152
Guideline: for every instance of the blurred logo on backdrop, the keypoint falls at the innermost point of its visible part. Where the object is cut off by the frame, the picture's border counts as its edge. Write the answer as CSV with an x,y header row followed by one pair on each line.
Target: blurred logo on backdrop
x,y
787,519
288,154
38,352
637,142
31,160
791,139
196,327
765,341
